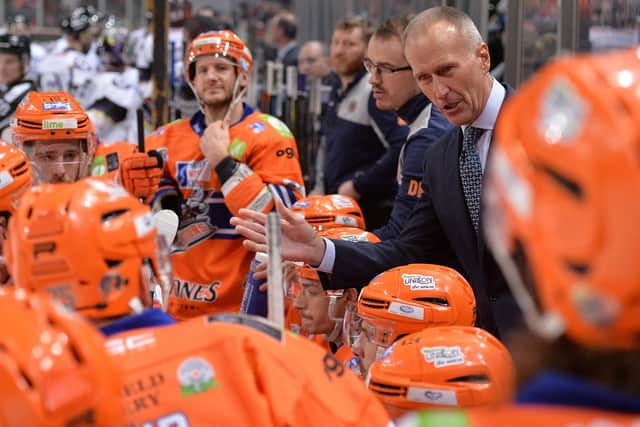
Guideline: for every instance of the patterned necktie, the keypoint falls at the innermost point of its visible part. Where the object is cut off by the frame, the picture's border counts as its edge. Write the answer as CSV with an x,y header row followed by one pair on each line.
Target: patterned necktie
x,y
471,173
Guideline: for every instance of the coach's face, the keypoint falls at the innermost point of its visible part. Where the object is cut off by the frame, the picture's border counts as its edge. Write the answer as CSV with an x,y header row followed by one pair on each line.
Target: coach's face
x,y
451,70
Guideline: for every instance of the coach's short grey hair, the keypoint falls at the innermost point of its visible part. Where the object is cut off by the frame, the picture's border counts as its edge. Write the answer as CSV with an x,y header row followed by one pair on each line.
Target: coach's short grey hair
x,y
453,16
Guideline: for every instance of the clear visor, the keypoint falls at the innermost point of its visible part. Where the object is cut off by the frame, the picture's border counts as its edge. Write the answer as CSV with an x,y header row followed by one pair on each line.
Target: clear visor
x,y
58,161
357,327
157,274
301,282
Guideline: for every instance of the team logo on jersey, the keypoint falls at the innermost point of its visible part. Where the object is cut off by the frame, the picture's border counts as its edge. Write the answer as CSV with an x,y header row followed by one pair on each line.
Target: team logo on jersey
x,y
278,125
98,167
196,376
188,173
237,148
258,127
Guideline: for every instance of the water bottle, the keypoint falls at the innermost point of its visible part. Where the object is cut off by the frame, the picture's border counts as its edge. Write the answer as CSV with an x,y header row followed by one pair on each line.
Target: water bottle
x,y
254,301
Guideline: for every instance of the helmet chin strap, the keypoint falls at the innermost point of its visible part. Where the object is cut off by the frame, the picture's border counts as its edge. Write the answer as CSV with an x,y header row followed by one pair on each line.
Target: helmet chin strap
x,y
236,97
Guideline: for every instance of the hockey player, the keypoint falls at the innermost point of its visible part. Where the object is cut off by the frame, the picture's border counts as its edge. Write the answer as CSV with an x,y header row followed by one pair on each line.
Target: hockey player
x,y
115,92
15,179
56,134
561,194
230,370
318,314
58,137
54,369
404,300
226,157
72,69
443,367
14,85
94,248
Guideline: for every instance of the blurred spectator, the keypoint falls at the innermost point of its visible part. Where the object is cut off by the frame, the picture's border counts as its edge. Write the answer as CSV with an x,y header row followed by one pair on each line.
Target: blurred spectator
x,y
72,69
14,62
284,28
313,60
20,24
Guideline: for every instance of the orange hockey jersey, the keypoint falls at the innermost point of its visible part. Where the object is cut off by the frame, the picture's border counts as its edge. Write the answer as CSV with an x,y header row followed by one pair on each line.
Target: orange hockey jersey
x,y
108,158
209,261
227,370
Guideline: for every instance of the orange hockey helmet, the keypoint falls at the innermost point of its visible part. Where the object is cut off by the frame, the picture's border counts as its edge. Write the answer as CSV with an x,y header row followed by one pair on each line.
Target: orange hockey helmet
x,y
224,44
91,245
562,194
54,370
15,176
330,211
407,299
448,366
54,117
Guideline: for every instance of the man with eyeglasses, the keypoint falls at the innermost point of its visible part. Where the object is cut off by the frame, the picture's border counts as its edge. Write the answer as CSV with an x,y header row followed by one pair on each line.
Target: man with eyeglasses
x,y
395,89
363,142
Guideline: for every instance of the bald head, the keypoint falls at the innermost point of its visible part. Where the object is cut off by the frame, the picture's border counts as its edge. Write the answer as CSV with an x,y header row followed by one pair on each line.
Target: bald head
x,y
450,62
313,59
443,20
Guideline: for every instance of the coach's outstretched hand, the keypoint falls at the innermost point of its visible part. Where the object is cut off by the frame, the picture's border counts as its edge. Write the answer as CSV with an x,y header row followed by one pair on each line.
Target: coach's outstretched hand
x,y
299,241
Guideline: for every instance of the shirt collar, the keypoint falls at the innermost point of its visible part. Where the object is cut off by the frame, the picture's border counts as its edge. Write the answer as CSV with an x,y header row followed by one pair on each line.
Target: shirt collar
x,y
197,120
489,115
410,111
285,49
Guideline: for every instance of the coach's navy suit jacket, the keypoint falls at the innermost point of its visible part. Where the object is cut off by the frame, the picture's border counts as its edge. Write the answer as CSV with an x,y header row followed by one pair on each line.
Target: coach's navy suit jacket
x,y
439,231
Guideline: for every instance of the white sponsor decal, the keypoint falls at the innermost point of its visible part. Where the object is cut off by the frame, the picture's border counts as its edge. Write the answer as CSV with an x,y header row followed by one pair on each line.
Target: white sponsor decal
x,y
117,346
443,356
143,224
418,281
407,310
59,124
432,396
5,179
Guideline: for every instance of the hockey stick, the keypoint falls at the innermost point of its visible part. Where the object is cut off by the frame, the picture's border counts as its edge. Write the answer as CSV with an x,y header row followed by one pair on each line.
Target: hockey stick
x,y
275,290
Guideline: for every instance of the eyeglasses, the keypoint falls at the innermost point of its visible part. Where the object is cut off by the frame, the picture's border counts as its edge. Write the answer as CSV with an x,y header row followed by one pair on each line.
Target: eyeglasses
x,y
372,67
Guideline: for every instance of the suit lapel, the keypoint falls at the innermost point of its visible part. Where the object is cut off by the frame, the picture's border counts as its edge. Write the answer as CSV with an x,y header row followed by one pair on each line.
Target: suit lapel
x,y
481,244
